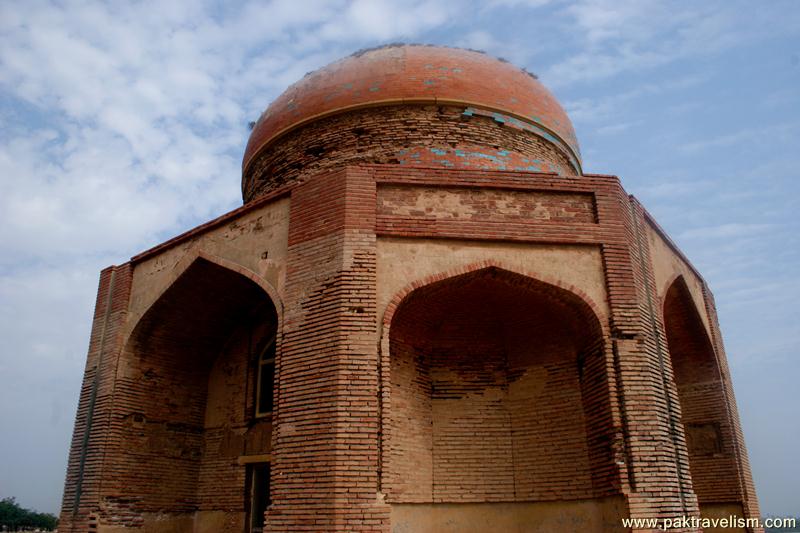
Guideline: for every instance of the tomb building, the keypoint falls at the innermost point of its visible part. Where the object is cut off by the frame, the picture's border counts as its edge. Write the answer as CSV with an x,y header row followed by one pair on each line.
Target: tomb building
x,y
425,317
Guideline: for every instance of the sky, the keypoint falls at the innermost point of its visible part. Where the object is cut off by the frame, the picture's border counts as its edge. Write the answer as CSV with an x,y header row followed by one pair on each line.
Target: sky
x,y
124,124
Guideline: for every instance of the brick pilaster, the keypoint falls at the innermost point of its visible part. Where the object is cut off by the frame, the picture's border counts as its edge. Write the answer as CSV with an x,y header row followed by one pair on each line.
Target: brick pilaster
x,y
325,469
84,468
659,465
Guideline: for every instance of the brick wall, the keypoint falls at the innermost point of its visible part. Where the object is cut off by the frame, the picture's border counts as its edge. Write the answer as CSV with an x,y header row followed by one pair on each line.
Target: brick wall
x,y
660,463
230,429
325,469
748,493
511,398
488,383
402,135
702,400
651,441
165,450
85,474
484,204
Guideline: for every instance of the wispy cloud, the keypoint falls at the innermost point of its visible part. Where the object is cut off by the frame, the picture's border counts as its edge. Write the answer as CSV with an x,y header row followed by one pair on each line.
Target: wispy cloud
x,y
491,4
606,107
748,133
667,189
614,129
143,112
122,124
725,231
630,35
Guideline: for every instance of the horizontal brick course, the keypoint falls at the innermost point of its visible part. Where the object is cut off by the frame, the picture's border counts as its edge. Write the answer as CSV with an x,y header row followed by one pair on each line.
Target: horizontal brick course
x,y
349,436
402,388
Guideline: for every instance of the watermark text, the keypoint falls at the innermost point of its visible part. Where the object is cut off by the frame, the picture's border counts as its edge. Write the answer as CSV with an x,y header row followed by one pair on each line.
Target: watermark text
x,y
694,522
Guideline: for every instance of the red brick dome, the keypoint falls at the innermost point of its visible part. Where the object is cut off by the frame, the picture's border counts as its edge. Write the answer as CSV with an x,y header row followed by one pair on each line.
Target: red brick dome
x,y
410,74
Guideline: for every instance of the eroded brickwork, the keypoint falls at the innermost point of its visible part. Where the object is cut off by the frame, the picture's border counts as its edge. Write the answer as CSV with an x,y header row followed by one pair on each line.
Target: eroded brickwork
x,y
484,395
659,460
748,496
493,377
496,205
418,74
402,135
180,412
470,334
325,470
702,401
85,474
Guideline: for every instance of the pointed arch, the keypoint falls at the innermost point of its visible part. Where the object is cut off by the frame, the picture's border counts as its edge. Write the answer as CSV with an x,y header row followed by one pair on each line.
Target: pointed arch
x,y
401,295
704,406
188,368
686,323
478,354
194,255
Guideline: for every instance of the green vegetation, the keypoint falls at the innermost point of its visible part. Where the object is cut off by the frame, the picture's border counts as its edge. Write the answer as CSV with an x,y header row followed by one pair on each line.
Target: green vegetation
x,y
15,518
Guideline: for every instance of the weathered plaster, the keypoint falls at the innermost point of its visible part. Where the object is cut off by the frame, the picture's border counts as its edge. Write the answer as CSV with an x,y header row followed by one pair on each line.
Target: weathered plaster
x,y
243,241
589,515
404,261
667,265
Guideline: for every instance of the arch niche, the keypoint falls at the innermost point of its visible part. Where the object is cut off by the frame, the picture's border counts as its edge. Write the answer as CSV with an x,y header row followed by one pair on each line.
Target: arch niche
x,y
496,406
190,367
704,404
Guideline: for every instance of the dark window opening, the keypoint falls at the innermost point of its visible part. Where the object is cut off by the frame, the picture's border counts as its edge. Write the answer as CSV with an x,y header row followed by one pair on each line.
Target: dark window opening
x,y
258,496
266,379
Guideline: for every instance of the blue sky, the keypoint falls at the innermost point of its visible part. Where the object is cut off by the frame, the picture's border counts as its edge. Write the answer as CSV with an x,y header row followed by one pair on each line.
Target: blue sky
x,y
123,125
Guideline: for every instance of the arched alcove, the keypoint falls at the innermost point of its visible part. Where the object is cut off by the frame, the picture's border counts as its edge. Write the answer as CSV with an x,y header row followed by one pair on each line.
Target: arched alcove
x,y
186,409
497,395
703,402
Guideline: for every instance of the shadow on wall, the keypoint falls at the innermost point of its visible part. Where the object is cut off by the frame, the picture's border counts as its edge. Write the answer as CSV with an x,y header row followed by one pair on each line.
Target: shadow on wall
x,y
191,370
498,395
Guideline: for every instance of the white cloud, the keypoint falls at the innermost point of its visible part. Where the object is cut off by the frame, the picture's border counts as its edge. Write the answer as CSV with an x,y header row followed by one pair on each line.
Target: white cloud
x,y
478,40
725,231
665,189
618,36
136,103
493,4
614,129
608,107
770,135
123,124
387,19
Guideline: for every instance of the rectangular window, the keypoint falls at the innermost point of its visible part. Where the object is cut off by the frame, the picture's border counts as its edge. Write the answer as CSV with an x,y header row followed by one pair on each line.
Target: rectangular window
x,y
258,496
266,379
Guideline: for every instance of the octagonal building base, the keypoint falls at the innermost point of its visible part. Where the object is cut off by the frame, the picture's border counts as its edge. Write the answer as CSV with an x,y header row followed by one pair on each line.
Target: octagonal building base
x,y
479,337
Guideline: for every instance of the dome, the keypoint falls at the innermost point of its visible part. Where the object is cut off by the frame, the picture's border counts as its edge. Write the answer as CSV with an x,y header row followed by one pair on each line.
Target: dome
x,y
398,75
